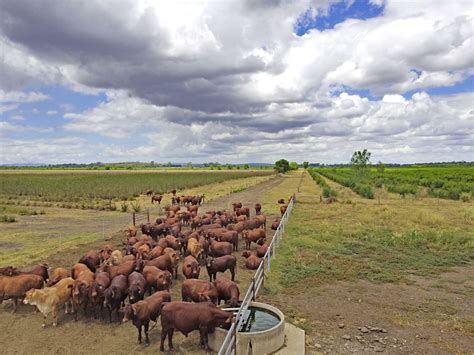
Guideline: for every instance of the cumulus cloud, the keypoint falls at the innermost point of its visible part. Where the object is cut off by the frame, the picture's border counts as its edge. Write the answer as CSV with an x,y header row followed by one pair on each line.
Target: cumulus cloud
x,y
191,83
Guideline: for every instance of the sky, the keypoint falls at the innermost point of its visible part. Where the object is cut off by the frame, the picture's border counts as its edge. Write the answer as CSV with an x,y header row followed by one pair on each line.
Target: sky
x,y
236,81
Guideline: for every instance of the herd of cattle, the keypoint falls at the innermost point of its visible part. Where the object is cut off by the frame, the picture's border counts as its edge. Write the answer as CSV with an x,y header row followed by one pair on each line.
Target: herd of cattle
x,y
147,264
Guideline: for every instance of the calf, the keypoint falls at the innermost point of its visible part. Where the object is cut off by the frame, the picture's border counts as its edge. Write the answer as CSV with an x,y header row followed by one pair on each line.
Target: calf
x,y
143,311
191,268
49,299
186,317
228,291
115,295
136,287
57,275
198,291
15,287
221,264
156,279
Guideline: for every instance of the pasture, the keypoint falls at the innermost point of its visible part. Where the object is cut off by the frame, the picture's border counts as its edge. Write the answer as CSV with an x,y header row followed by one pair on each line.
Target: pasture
x,y
89,335
399,264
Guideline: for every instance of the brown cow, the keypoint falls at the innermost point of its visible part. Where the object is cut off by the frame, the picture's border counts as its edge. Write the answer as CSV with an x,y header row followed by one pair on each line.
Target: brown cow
x,y
57,275
252,262
252,236
116,258
238,227
96,291
126,268
15,287
155,252
136,287
243,211
156,198
49,299
115,294
143,311
275,224
91,259
80,290
77,269
237,205
105,252
156,279
186,317
281,201
191,268
220,248
221,264
229,236
283,209
228,291
40,270
193,290
261,248
258,209
148,192
162,262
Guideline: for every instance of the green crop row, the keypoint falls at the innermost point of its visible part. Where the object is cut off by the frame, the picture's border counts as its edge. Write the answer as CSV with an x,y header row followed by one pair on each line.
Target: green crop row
x,y
79,187
452,182
327,191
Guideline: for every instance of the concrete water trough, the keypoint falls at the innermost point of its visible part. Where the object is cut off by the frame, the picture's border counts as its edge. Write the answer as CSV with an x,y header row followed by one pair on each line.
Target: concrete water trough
x,y
262,331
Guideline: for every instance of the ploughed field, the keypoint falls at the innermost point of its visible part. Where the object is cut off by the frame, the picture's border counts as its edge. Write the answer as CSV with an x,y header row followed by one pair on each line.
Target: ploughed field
x,y
93,335
102,190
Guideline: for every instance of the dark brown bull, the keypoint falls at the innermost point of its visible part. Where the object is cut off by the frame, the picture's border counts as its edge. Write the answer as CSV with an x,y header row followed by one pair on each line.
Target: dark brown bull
x,y
143,311
221,264
186,317
115,295
136,287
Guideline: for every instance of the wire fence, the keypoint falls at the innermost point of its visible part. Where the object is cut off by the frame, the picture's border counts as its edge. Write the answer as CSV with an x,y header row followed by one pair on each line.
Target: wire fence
x,y
229,344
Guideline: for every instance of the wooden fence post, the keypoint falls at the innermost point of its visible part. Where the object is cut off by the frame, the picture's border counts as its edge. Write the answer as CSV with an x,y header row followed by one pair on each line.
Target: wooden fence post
x,y
133,216
148,214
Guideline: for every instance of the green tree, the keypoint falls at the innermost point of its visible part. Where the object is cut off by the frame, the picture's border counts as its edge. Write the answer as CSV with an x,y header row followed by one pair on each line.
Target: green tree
x,y
360,161
246,166
282,166
305,165
380,167
229,166
293,165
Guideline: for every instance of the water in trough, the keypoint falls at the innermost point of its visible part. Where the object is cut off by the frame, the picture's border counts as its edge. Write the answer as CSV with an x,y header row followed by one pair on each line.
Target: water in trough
x,y
257,319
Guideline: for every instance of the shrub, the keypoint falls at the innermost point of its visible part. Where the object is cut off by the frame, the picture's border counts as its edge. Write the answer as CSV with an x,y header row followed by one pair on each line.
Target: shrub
x,y
124,206
465,197
7,219
136,206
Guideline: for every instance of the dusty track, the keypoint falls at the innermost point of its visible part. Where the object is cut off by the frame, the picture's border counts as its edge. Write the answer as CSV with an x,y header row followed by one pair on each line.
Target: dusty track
x,y
21,333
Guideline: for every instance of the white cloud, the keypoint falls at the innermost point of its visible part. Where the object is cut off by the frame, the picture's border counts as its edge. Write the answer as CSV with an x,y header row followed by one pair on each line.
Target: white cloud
x,y
187,82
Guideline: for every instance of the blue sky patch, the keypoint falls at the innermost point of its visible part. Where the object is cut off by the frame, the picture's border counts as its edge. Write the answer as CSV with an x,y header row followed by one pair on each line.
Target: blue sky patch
x,y
337,13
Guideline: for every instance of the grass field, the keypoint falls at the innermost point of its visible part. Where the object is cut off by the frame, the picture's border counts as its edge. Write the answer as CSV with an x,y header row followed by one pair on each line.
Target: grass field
x,y
361,244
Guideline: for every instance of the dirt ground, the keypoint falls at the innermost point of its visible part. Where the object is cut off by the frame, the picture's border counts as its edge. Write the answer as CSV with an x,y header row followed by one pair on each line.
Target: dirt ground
x,y
21,333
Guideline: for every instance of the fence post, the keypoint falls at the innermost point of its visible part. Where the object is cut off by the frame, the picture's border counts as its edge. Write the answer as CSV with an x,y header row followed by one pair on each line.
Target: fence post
x,y
148,214
274,248
268,260
133,216
253,288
